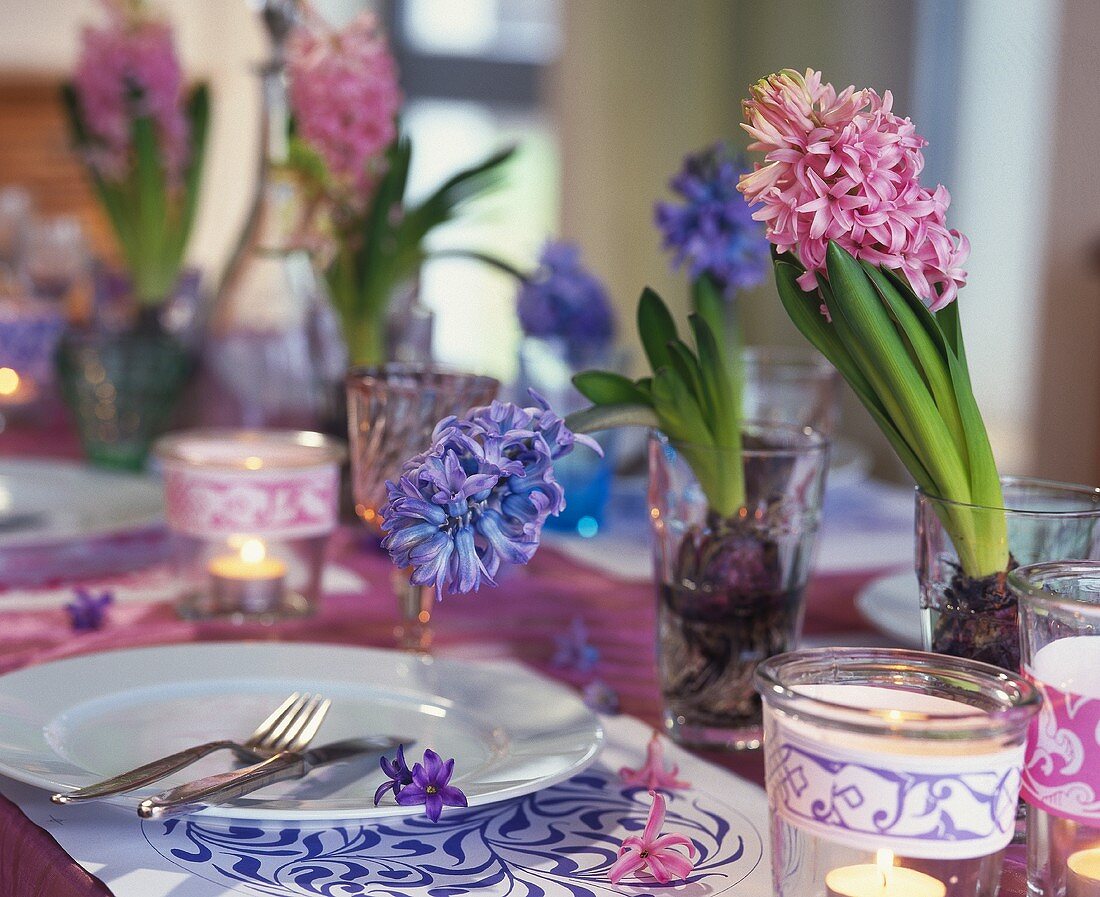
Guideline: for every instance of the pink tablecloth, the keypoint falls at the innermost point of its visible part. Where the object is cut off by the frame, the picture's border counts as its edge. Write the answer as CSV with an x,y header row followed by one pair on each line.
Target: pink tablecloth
x,y
519,619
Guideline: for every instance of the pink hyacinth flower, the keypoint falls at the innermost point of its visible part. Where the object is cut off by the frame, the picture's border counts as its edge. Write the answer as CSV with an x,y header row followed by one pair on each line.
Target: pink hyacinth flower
x,y
652,852
652,774
343,89
129,68
843,167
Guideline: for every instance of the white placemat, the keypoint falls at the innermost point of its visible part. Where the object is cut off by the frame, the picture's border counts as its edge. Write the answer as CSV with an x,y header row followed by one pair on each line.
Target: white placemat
x,y
557,843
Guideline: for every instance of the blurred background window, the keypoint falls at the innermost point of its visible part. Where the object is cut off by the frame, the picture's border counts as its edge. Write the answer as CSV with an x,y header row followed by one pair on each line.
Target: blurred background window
x,y
472,72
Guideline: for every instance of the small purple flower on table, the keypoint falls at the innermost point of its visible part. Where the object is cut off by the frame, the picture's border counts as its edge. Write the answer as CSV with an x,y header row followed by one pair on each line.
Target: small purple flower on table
x,y
479,496
431,786
564,300
601,697
398,774
711,231
572,649
86,611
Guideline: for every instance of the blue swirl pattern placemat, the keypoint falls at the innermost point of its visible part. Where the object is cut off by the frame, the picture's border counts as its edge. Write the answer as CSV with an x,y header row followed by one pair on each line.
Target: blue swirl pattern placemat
x,y
558,842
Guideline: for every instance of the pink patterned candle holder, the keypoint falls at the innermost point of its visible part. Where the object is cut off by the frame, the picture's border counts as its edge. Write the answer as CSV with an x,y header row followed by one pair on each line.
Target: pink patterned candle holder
x,y
891,772
252,511
1060,649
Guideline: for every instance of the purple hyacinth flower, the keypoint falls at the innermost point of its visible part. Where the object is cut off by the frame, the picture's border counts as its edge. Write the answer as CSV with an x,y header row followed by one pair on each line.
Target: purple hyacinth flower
x,y
573,651
87,612
711,231
564,300
431,786
398,772
479,496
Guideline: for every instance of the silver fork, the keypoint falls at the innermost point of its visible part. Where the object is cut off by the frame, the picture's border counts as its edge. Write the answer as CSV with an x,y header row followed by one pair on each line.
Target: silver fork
x,y
290,727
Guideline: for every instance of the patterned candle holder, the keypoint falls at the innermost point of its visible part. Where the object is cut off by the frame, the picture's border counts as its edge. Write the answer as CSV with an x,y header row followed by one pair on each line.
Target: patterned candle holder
x,y
29,333
891,772
252,512
1060,641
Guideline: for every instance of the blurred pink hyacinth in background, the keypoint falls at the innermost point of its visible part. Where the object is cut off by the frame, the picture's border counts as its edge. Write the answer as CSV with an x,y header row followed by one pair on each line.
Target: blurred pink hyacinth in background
x,y
343,88
128,68
844,167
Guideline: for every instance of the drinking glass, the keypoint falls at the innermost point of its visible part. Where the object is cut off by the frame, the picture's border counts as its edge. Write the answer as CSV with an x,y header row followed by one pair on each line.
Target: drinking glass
x,y
976,617
392,411
730,590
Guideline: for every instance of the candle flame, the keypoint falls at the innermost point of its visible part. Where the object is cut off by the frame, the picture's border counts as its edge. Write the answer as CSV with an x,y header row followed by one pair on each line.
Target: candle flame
x,y
253,551
9,381
884,859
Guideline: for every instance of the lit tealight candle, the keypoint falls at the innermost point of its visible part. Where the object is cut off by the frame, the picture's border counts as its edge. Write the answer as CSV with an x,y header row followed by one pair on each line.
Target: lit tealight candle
x,y
882,879
249,579
16,390
1084,873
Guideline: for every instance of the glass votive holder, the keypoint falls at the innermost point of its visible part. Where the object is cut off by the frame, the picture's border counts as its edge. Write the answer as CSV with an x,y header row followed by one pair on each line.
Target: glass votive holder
x,y
29,332
252,512
1060,650
891,772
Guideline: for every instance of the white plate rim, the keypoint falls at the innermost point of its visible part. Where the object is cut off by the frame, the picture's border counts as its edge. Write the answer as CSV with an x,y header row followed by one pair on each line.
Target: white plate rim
x,y
882,613
359,813
103,528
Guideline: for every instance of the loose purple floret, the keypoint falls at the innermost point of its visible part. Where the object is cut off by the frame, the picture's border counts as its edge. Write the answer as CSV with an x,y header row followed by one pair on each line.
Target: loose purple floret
x,y
431,786
398,772
87,612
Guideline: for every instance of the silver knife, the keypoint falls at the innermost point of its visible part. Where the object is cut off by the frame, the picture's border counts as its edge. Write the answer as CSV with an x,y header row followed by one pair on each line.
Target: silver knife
x,y
227,786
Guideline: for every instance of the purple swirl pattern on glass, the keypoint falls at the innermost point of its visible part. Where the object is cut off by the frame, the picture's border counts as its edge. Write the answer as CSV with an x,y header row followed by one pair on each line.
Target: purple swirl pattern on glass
x,y
1062,772
29,334
934,807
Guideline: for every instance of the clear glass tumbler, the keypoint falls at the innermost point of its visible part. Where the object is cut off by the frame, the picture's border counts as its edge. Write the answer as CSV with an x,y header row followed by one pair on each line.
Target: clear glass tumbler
x,y
730,589
392,411
974,617
790,385
1060,641
891,772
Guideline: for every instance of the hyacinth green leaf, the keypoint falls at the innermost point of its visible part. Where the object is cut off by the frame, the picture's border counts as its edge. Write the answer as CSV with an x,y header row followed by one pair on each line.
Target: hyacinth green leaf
x,y
198,114
686,366
927,348
680,414
656,328
608,417
712,308
151,211
645,386
725,398
943,328
873,330
608,388
802,307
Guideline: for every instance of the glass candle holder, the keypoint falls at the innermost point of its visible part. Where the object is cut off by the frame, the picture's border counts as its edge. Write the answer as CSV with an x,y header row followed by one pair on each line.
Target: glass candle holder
x,y
1060,640
252,511
891,772
29,333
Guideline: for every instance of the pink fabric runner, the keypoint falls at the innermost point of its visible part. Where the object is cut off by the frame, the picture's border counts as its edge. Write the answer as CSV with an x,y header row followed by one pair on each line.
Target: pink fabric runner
x,y
520,619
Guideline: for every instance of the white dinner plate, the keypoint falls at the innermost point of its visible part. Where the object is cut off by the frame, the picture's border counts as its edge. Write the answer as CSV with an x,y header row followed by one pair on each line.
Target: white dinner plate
x,y
72,722
892,605
47,502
